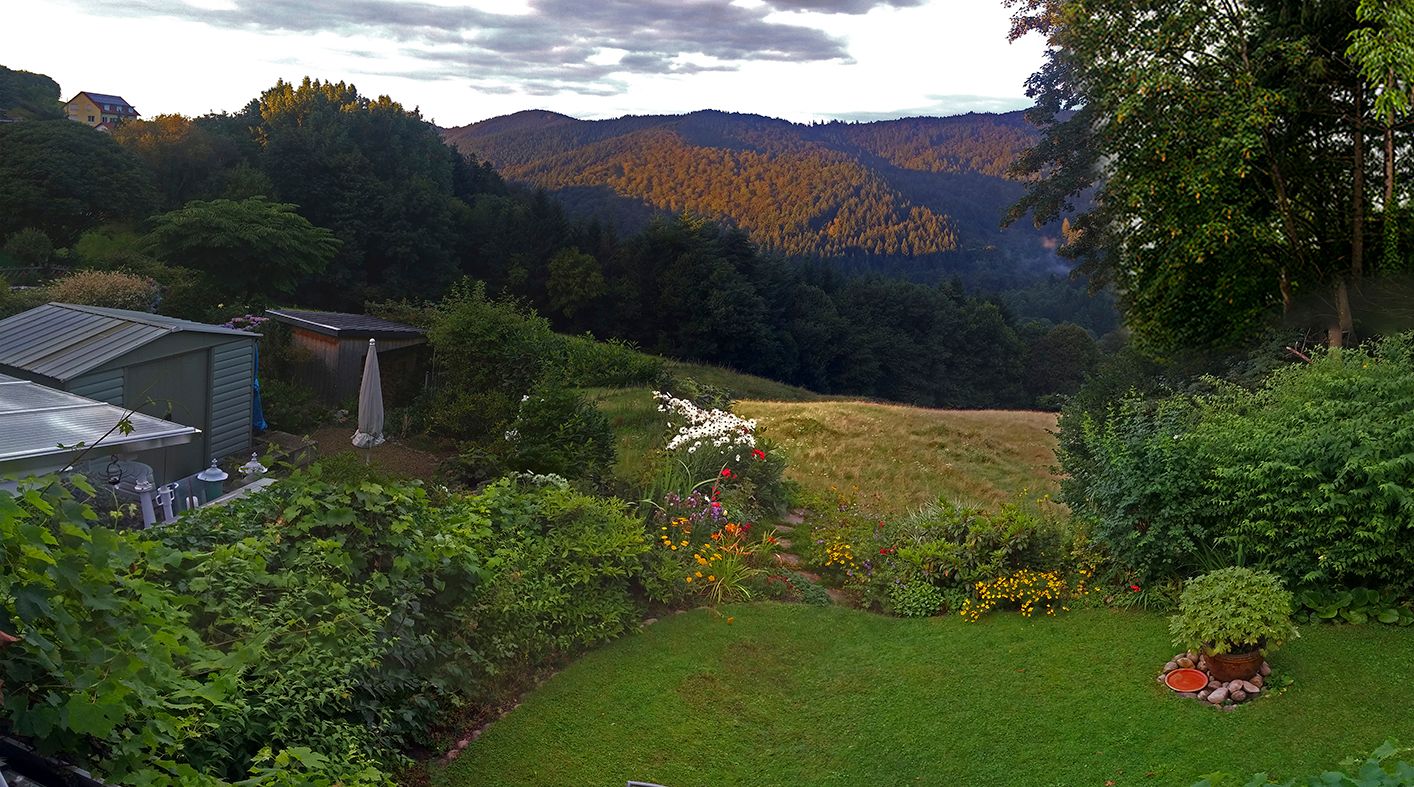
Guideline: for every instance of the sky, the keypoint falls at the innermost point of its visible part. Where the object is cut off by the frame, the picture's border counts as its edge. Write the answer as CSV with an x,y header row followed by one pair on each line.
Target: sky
x,y
461,61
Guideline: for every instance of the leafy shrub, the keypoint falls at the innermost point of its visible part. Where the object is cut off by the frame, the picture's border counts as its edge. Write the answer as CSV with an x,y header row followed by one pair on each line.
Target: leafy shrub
x,y
608,364
1233,610
106,668
1143,489
1381,769
558,430
30,246
486,355
106,288
1309,473
1356,606
916,599
291,407
305,635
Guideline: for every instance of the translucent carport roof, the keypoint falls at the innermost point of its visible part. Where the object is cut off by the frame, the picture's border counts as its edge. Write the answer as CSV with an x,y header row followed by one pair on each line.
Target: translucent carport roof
x,y
35,421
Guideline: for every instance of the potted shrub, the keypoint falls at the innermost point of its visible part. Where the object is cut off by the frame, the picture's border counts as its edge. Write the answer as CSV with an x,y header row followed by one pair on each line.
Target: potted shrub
x,y
1234,616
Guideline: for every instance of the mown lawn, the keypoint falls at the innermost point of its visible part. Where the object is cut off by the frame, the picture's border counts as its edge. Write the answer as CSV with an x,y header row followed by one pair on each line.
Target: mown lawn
x,y
893,458
797,695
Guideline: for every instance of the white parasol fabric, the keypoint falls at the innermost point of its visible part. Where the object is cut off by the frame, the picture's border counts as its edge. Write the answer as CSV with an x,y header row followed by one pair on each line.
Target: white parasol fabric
x,y
370,402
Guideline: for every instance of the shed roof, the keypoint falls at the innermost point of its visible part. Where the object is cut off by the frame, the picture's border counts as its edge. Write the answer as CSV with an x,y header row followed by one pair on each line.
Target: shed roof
x,y
62,341
36,421
344,325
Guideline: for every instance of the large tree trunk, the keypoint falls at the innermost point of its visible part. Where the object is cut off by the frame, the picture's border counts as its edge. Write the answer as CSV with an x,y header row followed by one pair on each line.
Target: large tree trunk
x,y
1342,327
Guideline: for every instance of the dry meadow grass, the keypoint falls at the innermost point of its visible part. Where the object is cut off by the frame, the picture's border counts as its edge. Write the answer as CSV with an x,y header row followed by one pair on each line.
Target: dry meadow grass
x,y
894,458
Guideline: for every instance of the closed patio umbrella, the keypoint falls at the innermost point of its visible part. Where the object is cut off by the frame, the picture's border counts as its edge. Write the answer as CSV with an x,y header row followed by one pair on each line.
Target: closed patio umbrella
x,y
370,402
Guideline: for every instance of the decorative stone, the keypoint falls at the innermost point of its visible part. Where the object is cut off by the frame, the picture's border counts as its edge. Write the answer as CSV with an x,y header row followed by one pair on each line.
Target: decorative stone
x,y
1214,683
1217,696
649,622
1234,685
1185,663
1265,670
1251,688
1229,707
1171,666
1258,681
1239,696
1203,695
1188,695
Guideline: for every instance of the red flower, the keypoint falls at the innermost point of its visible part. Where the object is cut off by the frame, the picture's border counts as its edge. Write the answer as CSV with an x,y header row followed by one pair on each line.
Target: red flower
x,y
726,472
758,453
1134,588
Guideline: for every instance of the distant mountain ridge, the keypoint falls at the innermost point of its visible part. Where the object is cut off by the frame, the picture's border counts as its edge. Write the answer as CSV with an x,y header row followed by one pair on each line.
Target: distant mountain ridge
x,y
925,190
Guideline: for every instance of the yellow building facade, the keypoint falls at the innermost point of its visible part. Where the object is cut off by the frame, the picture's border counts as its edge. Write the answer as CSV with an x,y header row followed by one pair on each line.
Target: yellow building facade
x,y
99,110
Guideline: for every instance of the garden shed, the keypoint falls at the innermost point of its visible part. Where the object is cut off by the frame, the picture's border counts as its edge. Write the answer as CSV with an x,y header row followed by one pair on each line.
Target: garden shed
x,y
189,373
331,347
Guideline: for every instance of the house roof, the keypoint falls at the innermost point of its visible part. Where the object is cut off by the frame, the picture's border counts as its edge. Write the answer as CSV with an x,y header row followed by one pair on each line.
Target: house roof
x,y
104,98
62,340
37,420
343,325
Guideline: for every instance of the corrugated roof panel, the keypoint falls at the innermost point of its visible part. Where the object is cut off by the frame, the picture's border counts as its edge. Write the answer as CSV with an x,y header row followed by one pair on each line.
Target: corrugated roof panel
x,y
36,420
62,341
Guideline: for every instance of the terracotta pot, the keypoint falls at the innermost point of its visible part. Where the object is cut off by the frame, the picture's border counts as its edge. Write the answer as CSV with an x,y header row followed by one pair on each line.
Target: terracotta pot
x,y
1234,666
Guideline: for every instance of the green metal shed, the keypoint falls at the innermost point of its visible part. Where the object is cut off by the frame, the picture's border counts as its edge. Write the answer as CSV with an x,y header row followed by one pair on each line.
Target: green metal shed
x,y
186,372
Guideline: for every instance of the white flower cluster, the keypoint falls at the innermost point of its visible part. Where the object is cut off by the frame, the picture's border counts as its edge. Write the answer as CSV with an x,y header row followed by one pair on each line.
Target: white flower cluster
x,y
717,428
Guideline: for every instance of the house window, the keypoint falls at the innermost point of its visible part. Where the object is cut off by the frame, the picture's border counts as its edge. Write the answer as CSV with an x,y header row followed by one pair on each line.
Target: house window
x,y
90,118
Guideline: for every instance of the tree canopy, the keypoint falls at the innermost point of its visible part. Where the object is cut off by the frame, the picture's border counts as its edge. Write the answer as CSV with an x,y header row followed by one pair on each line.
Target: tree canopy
x,y
258,247
1227,146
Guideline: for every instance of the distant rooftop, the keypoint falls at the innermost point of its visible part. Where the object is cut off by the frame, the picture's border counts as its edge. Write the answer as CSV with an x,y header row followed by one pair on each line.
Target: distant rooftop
x,y
62,340
104,98
345,326
36,420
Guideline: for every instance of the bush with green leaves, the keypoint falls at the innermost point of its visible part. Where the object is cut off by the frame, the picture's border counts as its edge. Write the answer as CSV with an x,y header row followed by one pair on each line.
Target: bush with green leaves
x,y
944,545
30,246
1233,610
558,430
291,407
1308,473
486,355
310,634
1355,606
917,599
608,364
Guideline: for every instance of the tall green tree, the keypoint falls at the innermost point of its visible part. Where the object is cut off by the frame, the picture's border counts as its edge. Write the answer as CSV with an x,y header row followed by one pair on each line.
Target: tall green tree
x,y
1223,144
63,177
1383,51
261,248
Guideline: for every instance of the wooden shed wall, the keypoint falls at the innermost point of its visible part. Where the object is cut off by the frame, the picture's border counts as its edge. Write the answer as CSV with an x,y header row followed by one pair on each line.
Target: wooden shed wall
x,y
333,367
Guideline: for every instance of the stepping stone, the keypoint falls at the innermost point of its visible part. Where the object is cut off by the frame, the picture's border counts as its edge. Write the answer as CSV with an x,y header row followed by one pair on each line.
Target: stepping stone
x,y
840,597
788,560
810,575
784,529
784,543
795,517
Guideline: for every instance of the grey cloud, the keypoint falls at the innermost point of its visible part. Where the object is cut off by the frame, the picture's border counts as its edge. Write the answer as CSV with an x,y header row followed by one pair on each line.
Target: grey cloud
x,y
547,50
841,6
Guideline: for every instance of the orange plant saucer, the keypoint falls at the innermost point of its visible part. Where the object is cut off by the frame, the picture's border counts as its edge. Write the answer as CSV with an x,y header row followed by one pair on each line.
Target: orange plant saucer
x,y
1186,680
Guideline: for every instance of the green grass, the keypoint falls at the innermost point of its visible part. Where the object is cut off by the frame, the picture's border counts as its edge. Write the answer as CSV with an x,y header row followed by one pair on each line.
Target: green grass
x,y
893,458
742,386
796,695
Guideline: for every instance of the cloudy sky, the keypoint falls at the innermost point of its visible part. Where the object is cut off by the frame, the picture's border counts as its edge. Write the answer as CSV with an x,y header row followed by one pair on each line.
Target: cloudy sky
x,y
465,60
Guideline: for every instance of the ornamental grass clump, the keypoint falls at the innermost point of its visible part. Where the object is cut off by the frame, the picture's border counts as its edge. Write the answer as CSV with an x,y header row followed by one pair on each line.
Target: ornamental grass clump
x,y
1233,610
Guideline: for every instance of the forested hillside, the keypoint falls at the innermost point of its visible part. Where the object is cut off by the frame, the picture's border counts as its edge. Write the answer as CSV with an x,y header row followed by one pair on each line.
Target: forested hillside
x,y
922,197
317,195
